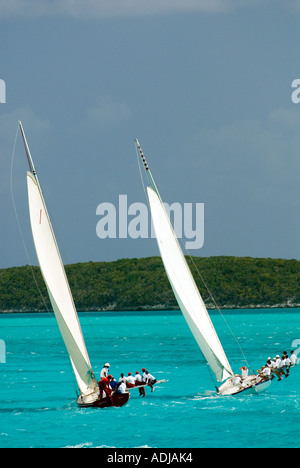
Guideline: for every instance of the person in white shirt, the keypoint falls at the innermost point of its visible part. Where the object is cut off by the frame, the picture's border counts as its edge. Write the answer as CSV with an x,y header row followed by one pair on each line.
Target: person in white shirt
x,y
278,362
283,362
138,378
130,381
121,388
245,372
105,370
283,366
144,375
123,379
280,369
293,358
269,363
288,361
274,365
275,369
266,372
150,380
287,364
138,382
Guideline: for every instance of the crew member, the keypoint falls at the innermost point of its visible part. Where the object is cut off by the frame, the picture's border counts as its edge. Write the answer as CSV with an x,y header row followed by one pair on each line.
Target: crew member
x,y
113,383
130,381
150,380
283,365
245,372
138,382
104,389
269,363
144,376
122,379
275,368
121,387
105,370
266,372
293,358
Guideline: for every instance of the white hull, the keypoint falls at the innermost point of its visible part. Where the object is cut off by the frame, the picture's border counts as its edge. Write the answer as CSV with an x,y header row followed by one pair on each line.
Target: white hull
x,y
87,399
248,386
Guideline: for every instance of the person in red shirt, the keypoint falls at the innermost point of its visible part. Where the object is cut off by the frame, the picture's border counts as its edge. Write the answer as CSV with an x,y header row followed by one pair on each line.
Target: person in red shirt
x,y
104,389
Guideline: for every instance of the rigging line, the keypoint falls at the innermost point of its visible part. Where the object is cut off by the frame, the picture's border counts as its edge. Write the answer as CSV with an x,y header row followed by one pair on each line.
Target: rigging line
x,y
212,378
218,308
18,221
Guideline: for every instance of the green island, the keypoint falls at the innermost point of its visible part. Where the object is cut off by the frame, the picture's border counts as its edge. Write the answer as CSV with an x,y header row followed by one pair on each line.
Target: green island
x,y
142,284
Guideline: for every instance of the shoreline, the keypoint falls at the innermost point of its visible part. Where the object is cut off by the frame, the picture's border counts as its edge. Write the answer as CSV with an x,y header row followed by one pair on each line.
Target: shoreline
x,y
158,309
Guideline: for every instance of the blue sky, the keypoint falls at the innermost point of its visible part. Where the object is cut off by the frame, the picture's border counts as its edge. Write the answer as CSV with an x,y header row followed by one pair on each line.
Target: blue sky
x,y
204,85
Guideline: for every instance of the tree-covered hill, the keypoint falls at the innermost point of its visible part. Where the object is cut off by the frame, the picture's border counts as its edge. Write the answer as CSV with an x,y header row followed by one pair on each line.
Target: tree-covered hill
x,y
141,284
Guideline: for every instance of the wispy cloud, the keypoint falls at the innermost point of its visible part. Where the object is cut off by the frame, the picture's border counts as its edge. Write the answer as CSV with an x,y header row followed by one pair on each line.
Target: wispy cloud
x,y
109,8
262,155
107,111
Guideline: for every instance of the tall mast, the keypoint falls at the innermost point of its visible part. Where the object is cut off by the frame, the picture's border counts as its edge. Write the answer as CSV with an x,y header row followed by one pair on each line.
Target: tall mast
x,y
149,174
27,150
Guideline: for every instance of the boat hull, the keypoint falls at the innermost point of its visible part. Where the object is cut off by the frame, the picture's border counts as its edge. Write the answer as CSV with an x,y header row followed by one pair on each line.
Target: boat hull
x,y
250,387
158,382
263,386
116,400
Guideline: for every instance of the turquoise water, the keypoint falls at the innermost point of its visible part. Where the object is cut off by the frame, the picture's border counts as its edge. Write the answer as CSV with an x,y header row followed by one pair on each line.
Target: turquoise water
x,y
38,399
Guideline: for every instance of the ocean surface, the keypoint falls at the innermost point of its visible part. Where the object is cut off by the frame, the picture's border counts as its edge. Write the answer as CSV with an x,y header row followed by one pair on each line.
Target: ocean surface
x,y
38,392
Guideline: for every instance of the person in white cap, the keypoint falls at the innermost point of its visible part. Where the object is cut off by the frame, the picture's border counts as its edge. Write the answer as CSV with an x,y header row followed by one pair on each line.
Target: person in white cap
x,y
278,361
105,370
275,370
279,367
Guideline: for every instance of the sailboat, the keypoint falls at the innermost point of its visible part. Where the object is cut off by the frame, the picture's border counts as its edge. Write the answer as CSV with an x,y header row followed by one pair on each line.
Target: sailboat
x,y
60,295
189,299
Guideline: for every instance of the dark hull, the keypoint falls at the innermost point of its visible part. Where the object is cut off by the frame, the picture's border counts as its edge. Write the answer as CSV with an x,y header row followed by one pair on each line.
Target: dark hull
x,y
116,400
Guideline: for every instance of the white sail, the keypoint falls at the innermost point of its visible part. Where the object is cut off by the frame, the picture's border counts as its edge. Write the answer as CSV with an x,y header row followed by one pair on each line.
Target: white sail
x,y
56,281
184,286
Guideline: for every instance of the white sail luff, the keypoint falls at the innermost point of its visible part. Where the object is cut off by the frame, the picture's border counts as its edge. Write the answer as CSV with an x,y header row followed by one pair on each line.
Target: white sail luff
x,y
185,289
57,285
